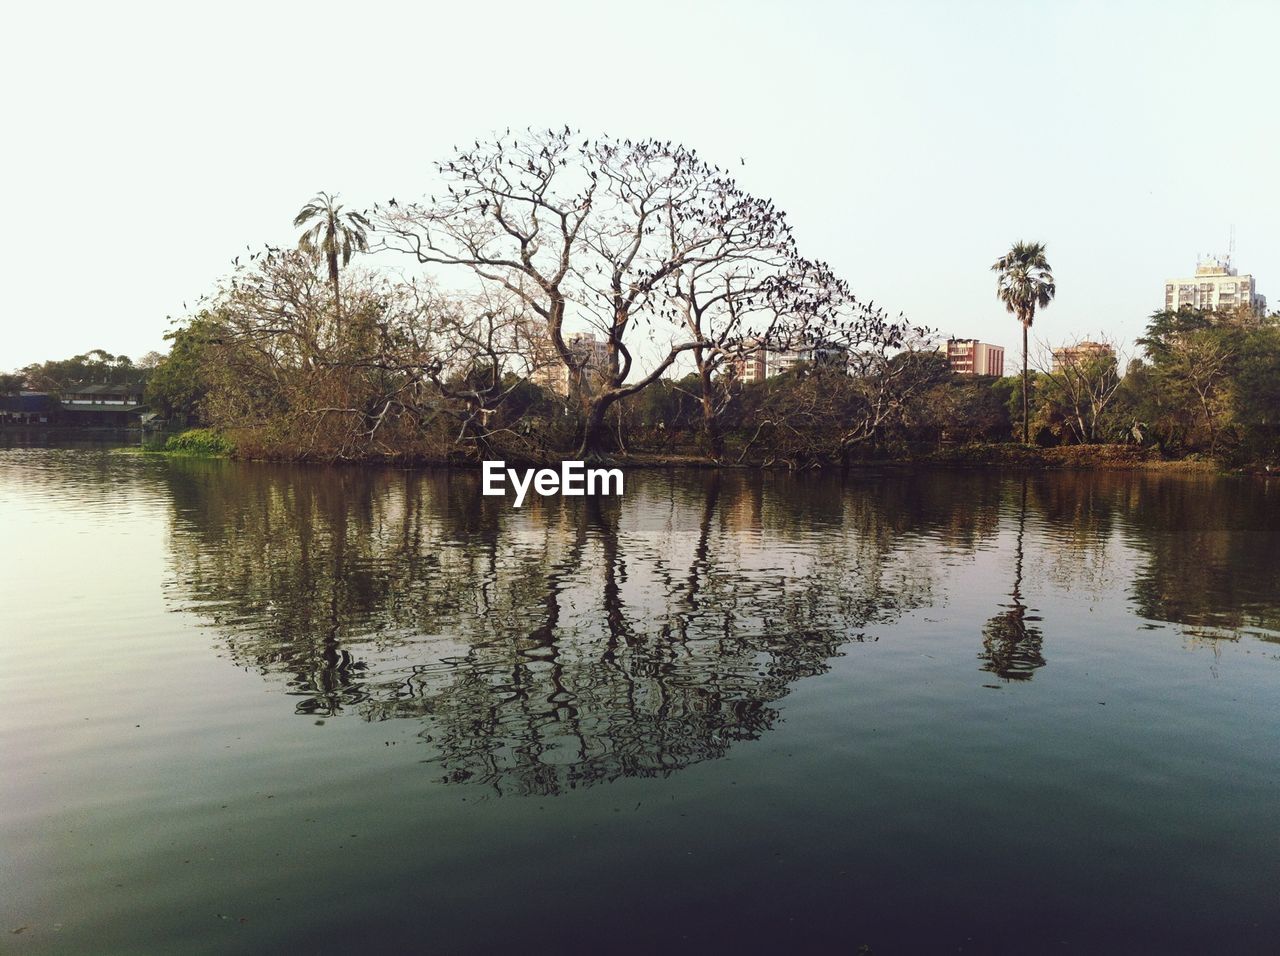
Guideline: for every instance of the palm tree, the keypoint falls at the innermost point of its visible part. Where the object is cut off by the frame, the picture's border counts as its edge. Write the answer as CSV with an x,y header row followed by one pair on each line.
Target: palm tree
x,y
1025,284
334,234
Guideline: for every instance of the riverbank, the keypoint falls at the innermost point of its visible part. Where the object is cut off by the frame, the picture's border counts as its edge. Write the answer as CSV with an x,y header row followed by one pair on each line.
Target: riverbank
x,y
1094,457
1073,457
205,443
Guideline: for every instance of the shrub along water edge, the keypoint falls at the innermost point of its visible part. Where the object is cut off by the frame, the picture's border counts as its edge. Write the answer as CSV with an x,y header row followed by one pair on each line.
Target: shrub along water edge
x,y
199,441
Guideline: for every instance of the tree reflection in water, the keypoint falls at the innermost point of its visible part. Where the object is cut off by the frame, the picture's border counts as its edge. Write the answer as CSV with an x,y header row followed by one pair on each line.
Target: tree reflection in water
x,y
1213,566
576,641
1011,641
572,642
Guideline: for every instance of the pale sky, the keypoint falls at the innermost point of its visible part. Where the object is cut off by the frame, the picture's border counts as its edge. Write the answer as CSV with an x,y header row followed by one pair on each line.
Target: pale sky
x,y
910,142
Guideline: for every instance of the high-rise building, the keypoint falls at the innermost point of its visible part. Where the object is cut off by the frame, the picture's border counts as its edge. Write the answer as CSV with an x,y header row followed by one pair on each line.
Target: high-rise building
x,y
749,364
784,360
549,369
1216,287
971,357
755,361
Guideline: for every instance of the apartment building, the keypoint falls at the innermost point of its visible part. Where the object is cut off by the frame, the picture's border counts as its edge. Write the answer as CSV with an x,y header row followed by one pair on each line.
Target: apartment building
x,y
750,365
550,371
1080,354
971,357
784,360
1216,287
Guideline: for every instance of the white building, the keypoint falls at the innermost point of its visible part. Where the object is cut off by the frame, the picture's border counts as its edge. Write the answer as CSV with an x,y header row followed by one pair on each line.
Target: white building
x,y
1216,287
783,361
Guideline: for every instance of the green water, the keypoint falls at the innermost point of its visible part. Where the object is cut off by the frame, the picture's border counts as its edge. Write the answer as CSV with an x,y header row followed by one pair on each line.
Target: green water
x,y
251,708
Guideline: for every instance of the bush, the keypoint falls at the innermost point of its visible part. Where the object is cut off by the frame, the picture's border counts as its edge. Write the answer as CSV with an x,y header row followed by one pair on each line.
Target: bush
x,y
199,441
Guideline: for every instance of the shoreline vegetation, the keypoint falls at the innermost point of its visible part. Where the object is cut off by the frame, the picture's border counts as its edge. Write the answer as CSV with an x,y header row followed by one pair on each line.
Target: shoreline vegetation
x,y
619,301
199,442
207,443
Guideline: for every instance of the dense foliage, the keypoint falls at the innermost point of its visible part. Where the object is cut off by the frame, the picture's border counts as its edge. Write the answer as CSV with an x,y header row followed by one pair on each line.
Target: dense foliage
x,y
95,367
199,441
404,379
178,384
1211,384
1207,385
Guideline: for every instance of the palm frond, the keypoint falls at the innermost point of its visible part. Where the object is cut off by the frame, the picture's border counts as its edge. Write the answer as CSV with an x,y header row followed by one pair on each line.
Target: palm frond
x,y
332,234
1025,280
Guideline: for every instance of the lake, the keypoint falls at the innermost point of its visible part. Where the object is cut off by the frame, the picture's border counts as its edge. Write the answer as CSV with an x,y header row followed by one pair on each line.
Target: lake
x,y
251,708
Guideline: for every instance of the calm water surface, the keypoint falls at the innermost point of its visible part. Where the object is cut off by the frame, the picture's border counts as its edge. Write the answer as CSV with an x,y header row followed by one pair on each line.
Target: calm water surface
x,y
254,708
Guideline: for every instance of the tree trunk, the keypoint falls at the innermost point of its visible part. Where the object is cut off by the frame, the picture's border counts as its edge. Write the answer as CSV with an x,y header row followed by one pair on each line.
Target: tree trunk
x,y
713,441
594,430
1208,421
337,299
484,450
1026,431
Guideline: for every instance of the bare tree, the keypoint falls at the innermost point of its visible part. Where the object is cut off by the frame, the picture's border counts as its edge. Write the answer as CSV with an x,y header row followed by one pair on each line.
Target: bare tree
x,y
1082,379
608,234
739,293
478,355
862,380
758,298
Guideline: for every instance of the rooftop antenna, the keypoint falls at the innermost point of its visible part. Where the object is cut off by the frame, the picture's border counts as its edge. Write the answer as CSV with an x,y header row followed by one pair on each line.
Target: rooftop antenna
x,y
1231,248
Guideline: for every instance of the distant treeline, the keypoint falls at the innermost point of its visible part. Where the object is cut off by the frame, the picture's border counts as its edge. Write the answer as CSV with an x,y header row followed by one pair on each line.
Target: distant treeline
x,y
1208,385
95,367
